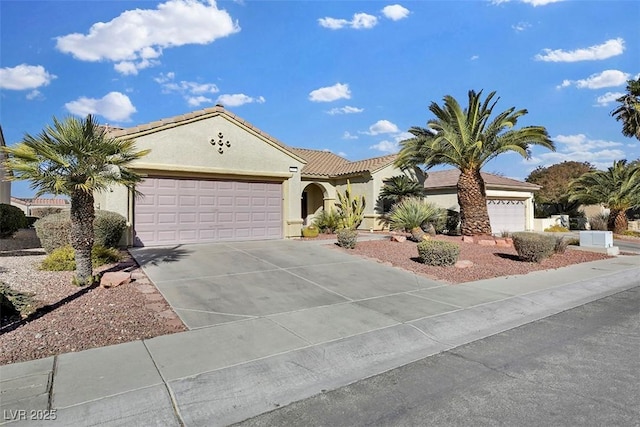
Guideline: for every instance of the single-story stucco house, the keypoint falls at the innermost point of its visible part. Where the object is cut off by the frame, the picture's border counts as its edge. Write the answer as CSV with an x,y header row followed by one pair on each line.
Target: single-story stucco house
x,y
509,201
32,206
213,177
5,184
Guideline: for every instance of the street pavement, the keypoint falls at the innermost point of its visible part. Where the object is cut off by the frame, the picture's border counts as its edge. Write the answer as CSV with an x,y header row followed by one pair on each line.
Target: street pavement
x,y
276,322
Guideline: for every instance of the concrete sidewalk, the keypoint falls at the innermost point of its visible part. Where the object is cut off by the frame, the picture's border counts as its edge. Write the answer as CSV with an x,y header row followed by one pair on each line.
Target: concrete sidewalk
x,y
228,372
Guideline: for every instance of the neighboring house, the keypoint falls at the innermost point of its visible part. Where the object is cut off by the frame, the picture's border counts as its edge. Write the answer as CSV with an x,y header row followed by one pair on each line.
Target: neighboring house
x,y
509,201
213,177
5,184
31,206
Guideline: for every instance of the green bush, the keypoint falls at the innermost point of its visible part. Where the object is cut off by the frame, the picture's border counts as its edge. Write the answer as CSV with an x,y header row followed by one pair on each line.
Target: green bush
x,y
108,228
347,238
438,253
12,219
310,231
327,221
46,211
413,213
53,230
533,247
556,229
63,258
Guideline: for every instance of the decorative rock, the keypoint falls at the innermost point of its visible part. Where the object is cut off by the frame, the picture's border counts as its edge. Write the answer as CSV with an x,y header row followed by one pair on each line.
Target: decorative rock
x,y
154,297
502,243
467,239
138,275
463,264
485,242
397,238
146,289
115,278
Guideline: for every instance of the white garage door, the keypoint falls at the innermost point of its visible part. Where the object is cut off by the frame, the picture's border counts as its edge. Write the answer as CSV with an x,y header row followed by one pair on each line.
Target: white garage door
x,y
175,211
506,215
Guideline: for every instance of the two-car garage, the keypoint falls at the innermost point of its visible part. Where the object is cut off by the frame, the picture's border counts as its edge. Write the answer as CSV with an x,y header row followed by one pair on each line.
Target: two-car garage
x,y
175,211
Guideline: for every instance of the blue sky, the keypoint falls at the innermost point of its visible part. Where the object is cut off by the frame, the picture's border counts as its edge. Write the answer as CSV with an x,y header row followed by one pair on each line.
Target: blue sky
x,y
345,76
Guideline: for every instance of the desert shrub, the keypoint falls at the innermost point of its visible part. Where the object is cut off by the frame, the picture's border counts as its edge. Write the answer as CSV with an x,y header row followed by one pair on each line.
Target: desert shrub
x,y
599,222
578,221
53,230
572,241
46,211
561,245
347,238
533,247
327,221
12,219
310,231
435,252
14,303
63,258
413,213
631,233
556,228
108,228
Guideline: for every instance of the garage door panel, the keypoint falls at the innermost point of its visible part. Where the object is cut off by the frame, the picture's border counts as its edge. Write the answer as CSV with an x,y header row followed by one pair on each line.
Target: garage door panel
x,y
506,215
189,211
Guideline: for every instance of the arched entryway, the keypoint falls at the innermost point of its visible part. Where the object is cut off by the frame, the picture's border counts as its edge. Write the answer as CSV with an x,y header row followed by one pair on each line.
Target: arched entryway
x,y
312,202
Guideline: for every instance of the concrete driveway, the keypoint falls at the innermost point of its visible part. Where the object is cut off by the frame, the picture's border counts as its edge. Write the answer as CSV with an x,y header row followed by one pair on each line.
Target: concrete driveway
x,y
226,282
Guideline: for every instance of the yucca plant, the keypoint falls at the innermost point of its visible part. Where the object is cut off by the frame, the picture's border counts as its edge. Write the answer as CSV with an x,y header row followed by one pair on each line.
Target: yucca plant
x,y
411,214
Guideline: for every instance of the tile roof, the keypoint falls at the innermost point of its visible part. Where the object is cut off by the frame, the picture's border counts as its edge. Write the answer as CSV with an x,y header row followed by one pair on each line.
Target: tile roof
x,y
325,163
41,201
449,179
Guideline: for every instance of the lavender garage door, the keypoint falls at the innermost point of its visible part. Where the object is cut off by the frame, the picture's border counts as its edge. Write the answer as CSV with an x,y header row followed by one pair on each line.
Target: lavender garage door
x,y
176,211
506,215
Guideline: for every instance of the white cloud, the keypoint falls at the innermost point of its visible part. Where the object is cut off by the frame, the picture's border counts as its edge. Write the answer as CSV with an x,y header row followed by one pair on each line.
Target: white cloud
x,y
521,26
474,58
193,92
34,94
395,12
534,3
580,148
348,135
136,38
345,110
607,78
382,126
386,146
359,21
605,50
238,99
113,106
608,98
23,76
196,101
330,93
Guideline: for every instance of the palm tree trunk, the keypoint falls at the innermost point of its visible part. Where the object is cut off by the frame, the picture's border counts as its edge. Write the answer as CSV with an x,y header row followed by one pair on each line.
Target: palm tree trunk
x,y
618,222
82,216
472,198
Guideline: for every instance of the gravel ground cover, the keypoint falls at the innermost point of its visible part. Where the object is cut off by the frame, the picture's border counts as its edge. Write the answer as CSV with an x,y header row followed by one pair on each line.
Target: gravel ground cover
x,y
488,261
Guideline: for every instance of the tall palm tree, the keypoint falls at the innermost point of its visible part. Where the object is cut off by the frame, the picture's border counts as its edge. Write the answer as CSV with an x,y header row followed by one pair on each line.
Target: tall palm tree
x,y
618,188
400,187
75,157
467,139
629,110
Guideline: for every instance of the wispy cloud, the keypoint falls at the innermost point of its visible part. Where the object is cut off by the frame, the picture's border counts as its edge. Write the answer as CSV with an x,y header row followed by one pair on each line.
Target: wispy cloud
x,y
521,26
330,93
474,58
395,12
238,99
114,106
195,93
348,135
359,21
534,3
24,77
607,78
345,110
580,148
135,39
605,50
608,98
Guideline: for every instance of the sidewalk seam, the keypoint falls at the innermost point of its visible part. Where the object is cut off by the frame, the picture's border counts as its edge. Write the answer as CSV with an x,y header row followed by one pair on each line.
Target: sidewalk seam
x,y
174,402
54,370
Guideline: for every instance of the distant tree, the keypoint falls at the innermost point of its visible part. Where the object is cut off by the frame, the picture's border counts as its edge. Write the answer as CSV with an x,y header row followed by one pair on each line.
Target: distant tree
x,y
618,188
75,157
399,187
629,110
554,181
468,138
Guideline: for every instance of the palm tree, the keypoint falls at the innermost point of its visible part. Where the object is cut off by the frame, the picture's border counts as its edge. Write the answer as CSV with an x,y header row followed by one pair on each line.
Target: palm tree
x,y
468,139
399,187
75,157
629,110
618,188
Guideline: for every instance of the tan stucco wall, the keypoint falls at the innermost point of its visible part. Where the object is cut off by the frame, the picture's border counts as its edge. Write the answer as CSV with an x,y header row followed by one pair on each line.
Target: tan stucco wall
x,y
5,185
185,151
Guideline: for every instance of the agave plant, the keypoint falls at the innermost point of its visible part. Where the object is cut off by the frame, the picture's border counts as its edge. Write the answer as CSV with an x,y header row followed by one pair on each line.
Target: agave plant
x,y
411,214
